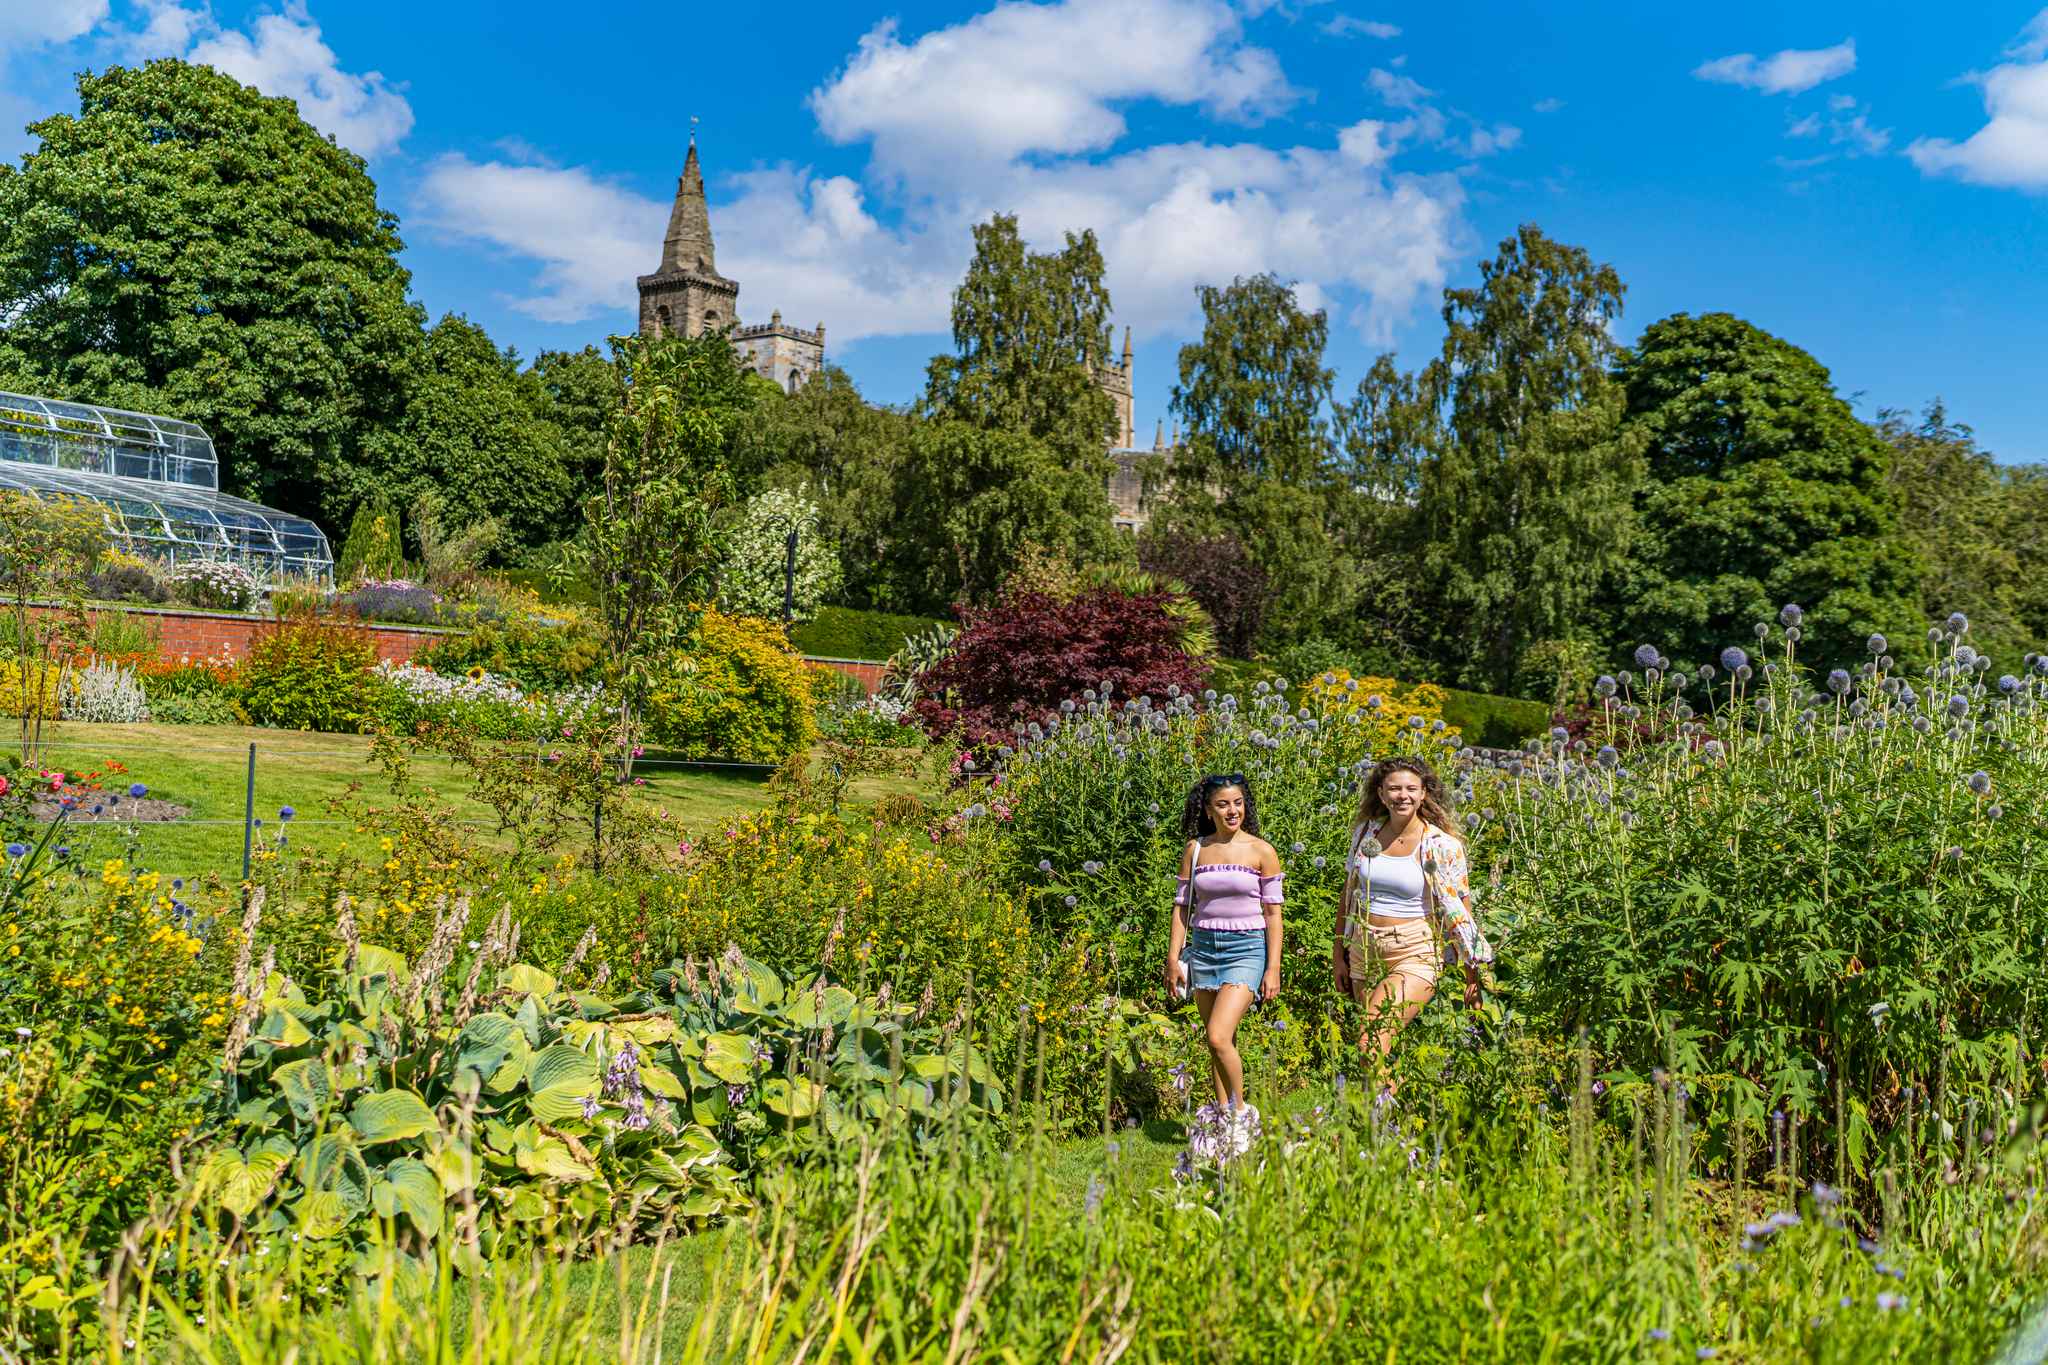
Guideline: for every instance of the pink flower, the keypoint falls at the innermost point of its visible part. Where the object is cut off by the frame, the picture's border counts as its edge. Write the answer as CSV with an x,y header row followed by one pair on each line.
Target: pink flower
x,y
639,781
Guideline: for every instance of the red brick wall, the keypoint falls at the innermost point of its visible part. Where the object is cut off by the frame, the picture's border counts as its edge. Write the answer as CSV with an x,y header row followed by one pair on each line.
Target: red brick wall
x,y
213,635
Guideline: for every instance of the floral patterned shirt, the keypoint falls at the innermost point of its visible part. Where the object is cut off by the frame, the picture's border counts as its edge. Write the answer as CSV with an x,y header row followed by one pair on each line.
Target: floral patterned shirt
x,y
1447,878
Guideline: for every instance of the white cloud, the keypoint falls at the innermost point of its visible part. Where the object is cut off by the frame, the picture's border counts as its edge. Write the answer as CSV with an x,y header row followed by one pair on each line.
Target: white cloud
x,y
1806,127
1548,106
1356,234
32,23
1858,136
1403,92
591,237
285,55
1041,78
1782,73
1344,25
1841,104
2011,150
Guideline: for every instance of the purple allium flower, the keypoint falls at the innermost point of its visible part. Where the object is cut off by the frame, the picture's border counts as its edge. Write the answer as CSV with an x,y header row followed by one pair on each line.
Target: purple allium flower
x,y
1959,706
1791,613
1609,756
2008,684
1604,686
136,789
285,812
1958,623
1979,782
1838,681
1712,749
1646,656
1876,644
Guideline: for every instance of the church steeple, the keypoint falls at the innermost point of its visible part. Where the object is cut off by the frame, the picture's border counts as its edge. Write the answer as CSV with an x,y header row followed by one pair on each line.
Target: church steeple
x,y
688,244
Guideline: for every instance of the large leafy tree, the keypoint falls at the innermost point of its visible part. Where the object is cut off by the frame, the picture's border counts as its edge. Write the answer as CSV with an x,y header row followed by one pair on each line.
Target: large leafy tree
x,y
1029,328
185,245
970,500
848,455
1524,503
1764,489
1256,462
477,435
1253,388
1979,530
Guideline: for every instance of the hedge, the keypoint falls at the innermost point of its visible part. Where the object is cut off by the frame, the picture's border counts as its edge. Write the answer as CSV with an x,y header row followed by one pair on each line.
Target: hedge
x,y
848,633
1494,722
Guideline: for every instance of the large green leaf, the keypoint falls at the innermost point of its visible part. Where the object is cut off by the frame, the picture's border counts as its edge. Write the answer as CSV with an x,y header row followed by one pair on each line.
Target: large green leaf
x,y
550,1157
730,1057
409,1186
493,1048
390,1116
307,1086
521,979
797,1101
837,1007
560,1079
659,1080
281,1028
758,990
242,1181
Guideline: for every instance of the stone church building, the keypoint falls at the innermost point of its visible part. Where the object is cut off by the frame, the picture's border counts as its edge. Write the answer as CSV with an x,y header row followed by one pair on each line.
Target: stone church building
x,y
687,295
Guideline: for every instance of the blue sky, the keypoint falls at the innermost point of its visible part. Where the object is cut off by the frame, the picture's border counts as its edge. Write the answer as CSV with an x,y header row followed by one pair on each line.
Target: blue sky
x,y
1868,180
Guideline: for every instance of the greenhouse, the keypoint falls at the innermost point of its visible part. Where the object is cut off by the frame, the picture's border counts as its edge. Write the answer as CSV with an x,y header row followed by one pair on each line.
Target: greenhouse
x,y
158,483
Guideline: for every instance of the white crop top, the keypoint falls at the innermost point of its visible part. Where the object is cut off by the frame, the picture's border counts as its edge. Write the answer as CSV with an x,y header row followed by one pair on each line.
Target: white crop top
x,y
1388,886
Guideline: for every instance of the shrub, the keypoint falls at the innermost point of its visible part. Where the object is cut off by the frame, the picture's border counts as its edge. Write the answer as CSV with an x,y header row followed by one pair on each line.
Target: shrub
x,y
919,655
196,708
1300,662
535,654
736,692
846,633
27,685
1494,722
106,693
1391,717
308,673
129,580
1013,662
1221,575
213,585
373,548
756,559
396,599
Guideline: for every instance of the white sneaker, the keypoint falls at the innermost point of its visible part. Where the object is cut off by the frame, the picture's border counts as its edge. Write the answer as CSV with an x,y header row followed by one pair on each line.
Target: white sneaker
x,y
1244,1128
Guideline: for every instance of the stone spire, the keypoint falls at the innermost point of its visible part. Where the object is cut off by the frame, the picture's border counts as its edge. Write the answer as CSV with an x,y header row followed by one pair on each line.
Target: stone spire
x,y
1159,434
1127,349
688,244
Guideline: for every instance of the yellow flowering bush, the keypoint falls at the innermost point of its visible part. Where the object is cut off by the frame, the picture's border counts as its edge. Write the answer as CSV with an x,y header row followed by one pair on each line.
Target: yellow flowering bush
x,y
1391,713
736,691
115,1007
25,684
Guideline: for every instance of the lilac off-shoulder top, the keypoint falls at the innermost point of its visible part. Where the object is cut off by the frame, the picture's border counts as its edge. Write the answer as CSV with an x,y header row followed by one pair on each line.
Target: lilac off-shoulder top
x,y
1227,896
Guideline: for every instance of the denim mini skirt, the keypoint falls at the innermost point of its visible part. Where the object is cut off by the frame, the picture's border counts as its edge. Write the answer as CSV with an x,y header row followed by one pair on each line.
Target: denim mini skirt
x,y
1217,958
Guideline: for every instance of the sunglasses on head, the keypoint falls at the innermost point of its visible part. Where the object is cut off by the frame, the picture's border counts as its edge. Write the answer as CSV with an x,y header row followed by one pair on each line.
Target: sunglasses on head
x,y
1223,780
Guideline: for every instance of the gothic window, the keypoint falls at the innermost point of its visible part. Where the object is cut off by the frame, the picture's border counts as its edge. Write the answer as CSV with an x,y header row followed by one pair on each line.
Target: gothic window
x,y
711,319
796,380
661,327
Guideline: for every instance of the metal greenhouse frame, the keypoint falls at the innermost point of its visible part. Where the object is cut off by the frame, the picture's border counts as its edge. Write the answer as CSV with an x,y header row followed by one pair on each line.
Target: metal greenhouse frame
x,y
157,482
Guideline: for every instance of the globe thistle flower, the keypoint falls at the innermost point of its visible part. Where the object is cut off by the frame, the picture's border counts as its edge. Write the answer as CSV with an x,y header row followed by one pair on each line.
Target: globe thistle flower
x,y
1609,756
1733,659
1415,722
1646,656
1712,749
137,790
1604,686
1993,811
1876,644
1791,614
1959,706
1966,656
1743,674
1958,623
1045,864
1708,673
1979,782
1838,681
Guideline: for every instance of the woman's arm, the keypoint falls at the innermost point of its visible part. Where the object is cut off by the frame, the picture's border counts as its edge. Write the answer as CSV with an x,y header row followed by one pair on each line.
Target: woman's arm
x,y
1450,900
1176,974
1270,895
1338,962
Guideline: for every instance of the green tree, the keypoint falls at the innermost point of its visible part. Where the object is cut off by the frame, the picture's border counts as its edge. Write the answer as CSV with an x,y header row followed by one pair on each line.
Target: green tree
x,y
1253,389
655,531
578,391
475,434
1029,330
849,455
186,245
1976,528
1523,506
971,499
374,548
1764,489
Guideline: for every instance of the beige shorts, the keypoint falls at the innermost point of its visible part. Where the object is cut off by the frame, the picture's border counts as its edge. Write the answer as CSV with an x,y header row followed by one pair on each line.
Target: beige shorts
x,y
1406,948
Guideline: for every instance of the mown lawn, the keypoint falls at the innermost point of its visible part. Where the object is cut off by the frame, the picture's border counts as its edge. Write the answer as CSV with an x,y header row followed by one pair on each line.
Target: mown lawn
x,y
205,769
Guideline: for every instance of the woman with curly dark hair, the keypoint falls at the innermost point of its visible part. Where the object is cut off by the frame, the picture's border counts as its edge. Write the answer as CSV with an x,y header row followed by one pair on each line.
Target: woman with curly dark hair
x,y
1226,923
1407,903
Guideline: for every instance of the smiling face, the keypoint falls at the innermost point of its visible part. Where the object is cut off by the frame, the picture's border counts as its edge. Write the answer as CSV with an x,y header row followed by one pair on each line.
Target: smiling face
x,y
1401,793
1226,809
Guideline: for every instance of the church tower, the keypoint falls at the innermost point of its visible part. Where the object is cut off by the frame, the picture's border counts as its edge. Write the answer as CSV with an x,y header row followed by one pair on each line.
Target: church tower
x,y
1115,380
686,294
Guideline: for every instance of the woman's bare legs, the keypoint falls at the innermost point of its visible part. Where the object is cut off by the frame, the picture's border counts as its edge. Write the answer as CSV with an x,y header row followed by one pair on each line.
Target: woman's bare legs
x,y
1221,1011
1390,1006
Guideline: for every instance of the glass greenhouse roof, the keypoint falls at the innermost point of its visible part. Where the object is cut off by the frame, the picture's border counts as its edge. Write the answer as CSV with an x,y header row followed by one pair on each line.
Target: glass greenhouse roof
x,y
156,480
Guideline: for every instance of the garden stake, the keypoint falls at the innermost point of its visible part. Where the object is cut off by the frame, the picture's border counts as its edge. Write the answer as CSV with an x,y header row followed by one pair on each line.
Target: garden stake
x,y
249,811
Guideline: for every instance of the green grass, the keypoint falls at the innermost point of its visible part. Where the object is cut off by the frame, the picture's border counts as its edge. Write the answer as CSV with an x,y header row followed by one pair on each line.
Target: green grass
x,y
205,769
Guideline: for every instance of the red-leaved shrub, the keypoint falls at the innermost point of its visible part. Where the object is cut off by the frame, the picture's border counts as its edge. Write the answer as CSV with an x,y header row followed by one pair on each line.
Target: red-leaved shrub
x,y
1019,659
